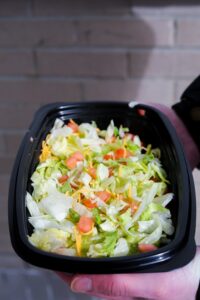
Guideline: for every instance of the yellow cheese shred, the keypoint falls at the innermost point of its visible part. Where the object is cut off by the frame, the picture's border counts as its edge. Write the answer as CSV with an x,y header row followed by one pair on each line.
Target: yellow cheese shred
x,y
78,238
46,152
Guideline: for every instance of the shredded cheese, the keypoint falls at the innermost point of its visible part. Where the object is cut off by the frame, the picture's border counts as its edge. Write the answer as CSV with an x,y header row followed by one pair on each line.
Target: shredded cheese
x,y
78,238
46,152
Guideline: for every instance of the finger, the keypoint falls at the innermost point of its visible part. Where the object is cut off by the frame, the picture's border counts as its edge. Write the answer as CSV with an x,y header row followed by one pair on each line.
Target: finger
x,y
103,297
121,285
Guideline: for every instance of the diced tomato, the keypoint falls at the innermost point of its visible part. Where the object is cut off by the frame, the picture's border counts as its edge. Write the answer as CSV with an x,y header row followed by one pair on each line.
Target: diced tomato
x,y
63,179
103,195
92,172
73,126
73,185
71,161
120,153
88,203
141,112
110,171
85,224
108,156
78,156
146,247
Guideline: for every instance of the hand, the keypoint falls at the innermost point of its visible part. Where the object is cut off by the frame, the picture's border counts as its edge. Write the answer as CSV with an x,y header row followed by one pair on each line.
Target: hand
x,y
180,284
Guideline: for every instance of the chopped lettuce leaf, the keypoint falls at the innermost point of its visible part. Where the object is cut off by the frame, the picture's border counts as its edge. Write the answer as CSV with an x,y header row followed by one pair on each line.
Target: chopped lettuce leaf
x,y
57,205
49,239
102,172
121,248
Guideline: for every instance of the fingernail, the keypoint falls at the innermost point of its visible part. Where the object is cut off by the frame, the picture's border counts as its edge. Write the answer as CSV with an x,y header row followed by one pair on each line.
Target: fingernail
x,y
81,284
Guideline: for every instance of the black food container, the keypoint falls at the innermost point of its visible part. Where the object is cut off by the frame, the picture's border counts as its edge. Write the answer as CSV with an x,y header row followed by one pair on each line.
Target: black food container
x,y
154,128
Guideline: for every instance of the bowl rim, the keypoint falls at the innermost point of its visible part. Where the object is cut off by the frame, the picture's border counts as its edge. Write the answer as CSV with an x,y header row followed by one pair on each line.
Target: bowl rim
x,y
164,253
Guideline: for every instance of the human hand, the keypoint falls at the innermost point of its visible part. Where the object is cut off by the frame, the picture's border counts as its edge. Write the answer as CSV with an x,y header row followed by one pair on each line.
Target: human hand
x,y
179,284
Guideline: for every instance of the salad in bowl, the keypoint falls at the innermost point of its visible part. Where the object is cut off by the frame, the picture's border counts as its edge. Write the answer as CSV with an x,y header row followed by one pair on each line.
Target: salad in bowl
x,y
98,193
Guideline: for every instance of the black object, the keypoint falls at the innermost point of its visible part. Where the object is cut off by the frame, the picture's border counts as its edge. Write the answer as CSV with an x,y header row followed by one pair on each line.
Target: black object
x,y
198,293
154,128
188,109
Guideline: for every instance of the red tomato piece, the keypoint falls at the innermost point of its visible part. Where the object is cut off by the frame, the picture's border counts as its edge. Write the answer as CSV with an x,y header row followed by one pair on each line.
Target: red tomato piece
x,y
72,160
88,203
78,156
147,247
92,172
103,195
63,179
120,153
110,172
108,156
71,163
85,224
141,112
73,126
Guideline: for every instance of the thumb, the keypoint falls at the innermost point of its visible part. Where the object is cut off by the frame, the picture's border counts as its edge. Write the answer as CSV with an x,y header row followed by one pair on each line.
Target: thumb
x,y
121,285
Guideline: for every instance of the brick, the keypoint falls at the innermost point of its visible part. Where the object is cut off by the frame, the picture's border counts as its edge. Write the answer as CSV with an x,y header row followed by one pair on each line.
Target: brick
x,y
39,286
16,63
85,64
38,91
180,86
169,8
160,91
80,8
12,142
37,33
12,117
6,164
17,282
4,215
4,184
132,32
165,63
152,63
188,33
10,261
2,144
44,33
6,245
4,236
10,8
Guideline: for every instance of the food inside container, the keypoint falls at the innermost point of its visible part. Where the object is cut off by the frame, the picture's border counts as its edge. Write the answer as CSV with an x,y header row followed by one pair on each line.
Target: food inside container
x,y
139,210
98,193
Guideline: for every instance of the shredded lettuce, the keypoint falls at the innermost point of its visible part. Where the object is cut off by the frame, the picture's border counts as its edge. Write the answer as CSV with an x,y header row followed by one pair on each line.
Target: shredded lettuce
x,y
98,193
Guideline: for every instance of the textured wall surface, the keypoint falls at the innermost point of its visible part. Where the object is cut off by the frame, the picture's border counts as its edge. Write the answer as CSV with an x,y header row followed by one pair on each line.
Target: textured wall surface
x,y
87,50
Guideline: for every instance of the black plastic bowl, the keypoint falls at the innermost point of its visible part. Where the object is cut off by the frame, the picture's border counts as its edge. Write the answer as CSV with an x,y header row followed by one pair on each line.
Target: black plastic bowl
x,y
154,128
